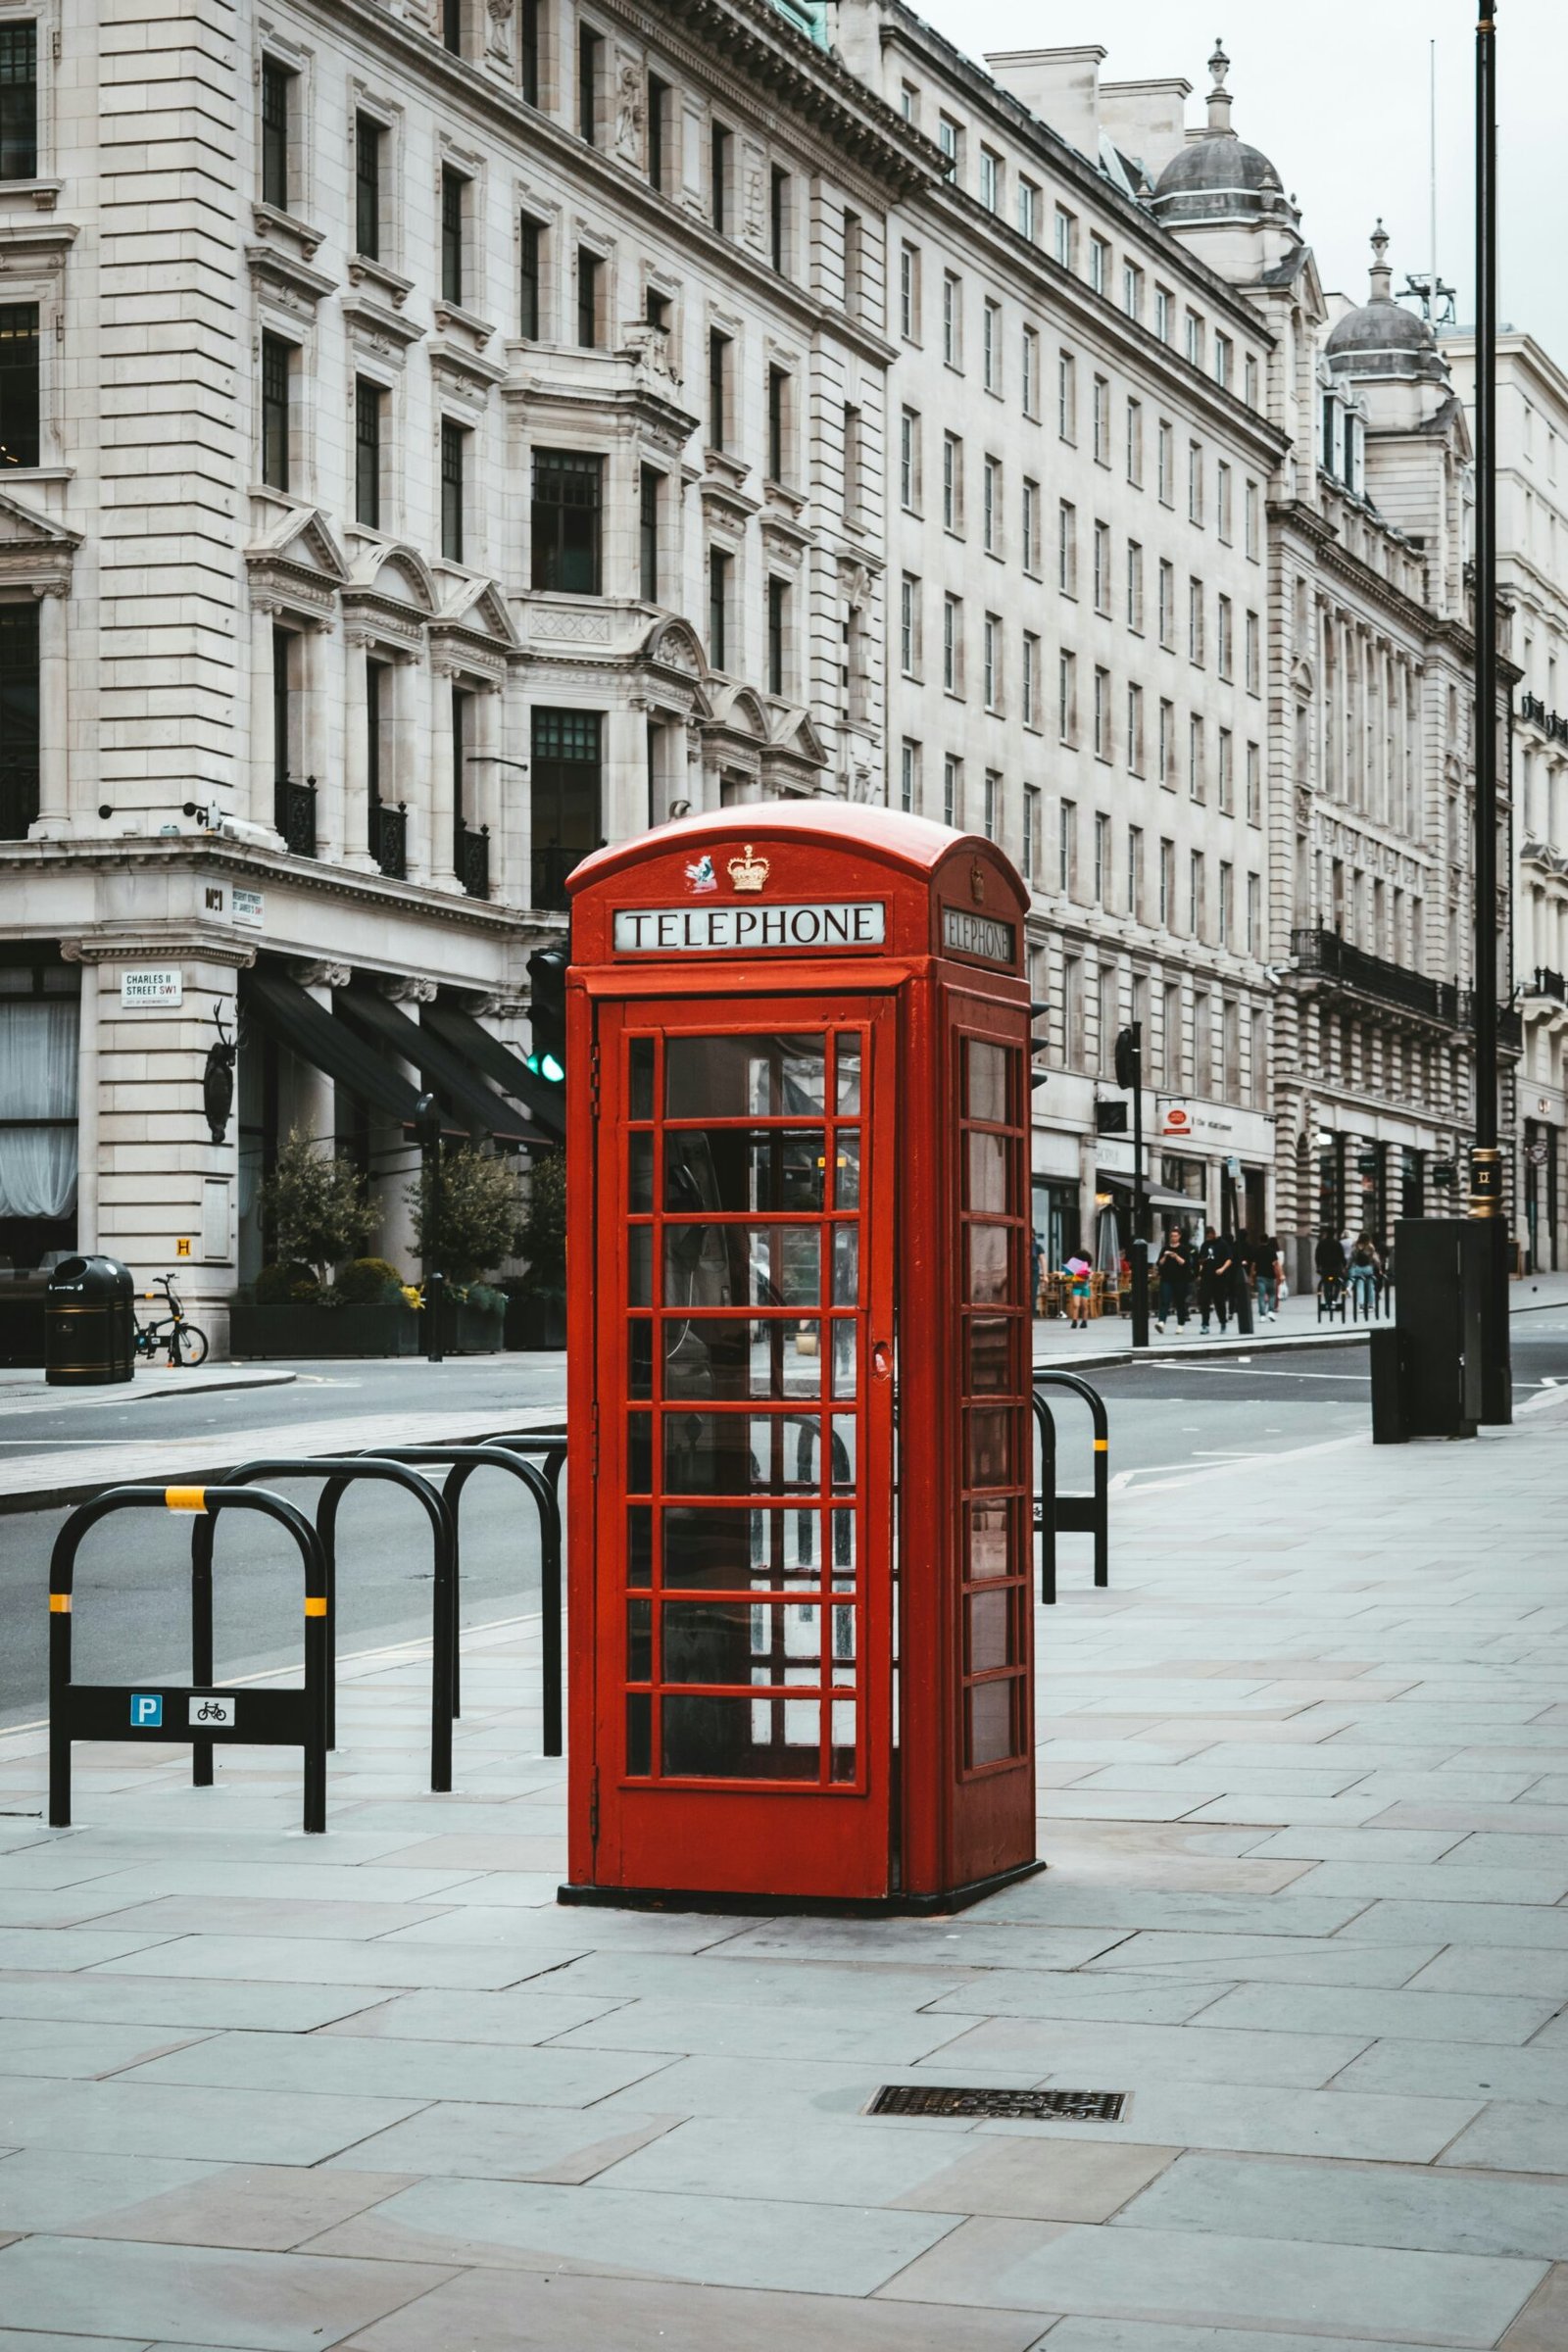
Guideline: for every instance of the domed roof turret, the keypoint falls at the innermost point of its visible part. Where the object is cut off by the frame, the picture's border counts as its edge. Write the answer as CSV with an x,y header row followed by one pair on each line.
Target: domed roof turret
x,y
1219,178
1382,337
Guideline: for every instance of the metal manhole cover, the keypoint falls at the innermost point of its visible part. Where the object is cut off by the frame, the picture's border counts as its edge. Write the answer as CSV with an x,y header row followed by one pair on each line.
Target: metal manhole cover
x,y
921,2098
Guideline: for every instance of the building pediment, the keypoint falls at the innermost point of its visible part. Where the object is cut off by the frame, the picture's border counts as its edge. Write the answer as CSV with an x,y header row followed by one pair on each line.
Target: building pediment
x,y
390,597
793,736
473,633
35,551
295,565
736,711
673,645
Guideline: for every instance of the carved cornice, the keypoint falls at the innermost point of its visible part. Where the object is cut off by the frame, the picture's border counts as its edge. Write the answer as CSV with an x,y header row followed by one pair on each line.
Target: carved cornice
x,y
288,281
379,330
365,272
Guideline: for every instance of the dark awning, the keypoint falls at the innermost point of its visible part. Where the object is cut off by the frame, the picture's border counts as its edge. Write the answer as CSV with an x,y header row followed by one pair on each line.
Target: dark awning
x,y
447,1073
540,1099
297,1021
1158,1196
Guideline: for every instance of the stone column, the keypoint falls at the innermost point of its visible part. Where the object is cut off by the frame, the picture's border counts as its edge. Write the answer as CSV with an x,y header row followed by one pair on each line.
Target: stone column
x,y
54,717
87,1112
439,866
356,759
414,780
263,765
315,658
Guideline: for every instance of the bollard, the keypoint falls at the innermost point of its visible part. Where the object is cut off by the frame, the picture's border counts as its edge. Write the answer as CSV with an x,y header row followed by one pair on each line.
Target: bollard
x,y
1084,1514
195,1714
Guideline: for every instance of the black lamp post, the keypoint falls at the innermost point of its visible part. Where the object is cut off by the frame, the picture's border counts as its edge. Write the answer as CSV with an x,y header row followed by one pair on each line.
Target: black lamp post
x,y
1130,1074
427,1127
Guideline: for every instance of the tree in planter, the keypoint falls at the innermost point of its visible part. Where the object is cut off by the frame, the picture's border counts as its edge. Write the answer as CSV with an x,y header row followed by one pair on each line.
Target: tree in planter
x,y
543,1240
315,1204
481,1216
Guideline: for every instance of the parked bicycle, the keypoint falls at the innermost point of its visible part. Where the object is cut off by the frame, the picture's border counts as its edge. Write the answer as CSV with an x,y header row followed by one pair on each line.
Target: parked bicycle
x,y
184,1343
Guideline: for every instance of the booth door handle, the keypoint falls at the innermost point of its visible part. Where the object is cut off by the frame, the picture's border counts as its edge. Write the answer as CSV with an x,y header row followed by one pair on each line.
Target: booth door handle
x,y
881,1359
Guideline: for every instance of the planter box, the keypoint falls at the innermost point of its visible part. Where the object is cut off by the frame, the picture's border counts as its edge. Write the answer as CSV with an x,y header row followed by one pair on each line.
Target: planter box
x,y
535,1323
470,1330
305,1330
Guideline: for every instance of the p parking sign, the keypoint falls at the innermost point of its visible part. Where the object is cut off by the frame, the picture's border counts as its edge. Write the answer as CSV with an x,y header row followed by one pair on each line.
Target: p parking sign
x,y
146,1710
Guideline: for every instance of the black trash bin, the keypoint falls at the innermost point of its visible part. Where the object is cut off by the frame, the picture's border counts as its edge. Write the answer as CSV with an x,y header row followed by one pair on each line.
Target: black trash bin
x,y
89,1337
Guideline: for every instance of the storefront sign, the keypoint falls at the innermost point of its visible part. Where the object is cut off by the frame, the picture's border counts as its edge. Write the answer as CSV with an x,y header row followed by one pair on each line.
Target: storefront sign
x,y
138,989
250,905
822,924
966,934
1197,1122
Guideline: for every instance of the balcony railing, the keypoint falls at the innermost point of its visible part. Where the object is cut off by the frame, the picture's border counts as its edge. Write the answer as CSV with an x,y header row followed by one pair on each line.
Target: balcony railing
x,y
470,860
1553,723
1325,955
294,814
19,797
389,838
551,866
1548,983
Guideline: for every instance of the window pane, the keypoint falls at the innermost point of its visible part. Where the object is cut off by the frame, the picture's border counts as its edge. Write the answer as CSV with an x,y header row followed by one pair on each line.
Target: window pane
x,y
849,1076
990,1357
742,1266
742,1642
639,1732
990,1722
742,1738
745,1171
987,1081
736,1454
744,1077
640,1172
642,1078
640,1358
639,1640
990,1160
847,1169
639,1544
990,1248
990,1539
846,1265
991,1630
991,1462
741,1549
730,1358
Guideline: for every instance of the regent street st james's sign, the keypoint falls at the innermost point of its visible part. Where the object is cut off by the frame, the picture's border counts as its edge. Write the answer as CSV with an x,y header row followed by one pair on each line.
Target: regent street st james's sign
x,y
817,924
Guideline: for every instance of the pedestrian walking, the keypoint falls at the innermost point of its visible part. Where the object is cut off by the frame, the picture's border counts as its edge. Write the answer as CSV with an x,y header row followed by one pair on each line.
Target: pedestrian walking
x,y
1174,1269
1037,1271
1328,1261
1366,1275
1265,1258
1075,1280
1216,1270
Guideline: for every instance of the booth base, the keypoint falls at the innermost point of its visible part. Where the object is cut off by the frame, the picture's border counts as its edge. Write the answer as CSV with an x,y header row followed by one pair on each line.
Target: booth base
x,y
809,1906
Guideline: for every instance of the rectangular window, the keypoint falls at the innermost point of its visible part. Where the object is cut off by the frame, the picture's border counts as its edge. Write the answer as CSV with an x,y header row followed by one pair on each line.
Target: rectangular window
x,y
951,789
990,179
1167,745
910,293
909,777
1031,529
1223,637
1168,604
1166,463
1223,361
991,347
1029,684
659,106
1103,730
719,351
1195,900
1067,698
778,415
1066,396
1196,786
369,408
1226,883
1028,209
1135,443
1194,623
1224,773
1195,339
853,263
19,101
952,482
992,501
566,797
909,461
1254,785
949,138
778,607
1162,313
1031,832
1103,568
1254,509
1031,372
452,26
1135,871
992,644
1066,830
1102,861
589,49
454,451
952,320
1134,729
1249,381
1068,549
778,220
1254,655
276,366
529,238
1066,238
1167,891
953,645
590,270
651,488
719,566
1101,421
1098,265
454,191
276,109
1135,587
528,49
719,169
1255,918
1195,483
1222,501
909,102
369,137
1132,290
565,523
853,465
993,806
910,625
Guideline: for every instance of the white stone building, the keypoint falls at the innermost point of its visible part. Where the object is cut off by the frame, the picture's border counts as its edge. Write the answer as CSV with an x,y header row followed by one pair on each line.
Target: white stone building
x,y
1080,458
1532,573
436,439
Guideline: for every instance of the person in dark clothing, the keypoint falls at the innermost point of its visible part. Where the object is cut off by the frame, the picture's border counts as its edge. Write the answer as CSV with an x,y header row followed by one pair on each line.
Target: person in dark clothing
x,y
1216,1271
1265,1262
1174,1267
1328,1258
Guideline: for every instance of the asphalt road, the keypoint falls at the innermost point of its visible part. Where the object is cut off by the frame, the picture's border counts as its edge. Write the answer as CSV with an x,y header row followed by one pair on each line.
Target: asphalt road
x,y
1172,1420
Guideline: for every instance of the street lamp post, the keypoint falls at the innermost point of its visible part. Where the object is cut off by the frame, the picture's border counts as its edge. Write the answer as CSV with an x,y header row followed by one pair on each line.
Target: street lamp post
x,y
1130,1074
1496,1388
427,1127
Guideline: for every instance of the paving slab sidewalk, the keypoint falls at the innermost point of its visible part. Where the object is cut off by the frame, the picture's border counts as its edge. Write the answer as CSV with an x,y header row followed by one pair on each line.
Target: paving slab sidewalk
x,y
375,2090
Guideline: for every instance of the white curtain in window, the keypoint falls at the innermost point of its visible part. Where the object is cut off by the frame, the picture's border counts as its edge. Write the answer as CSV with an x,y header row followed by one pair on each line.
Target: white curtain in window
x,y
37,1081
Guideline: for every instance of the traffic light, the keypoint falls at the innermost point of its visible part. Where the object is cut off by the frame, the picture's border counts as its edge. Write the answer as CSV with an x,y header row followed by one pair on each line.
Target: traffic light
x,y
1037,1045
547,975
1128,1056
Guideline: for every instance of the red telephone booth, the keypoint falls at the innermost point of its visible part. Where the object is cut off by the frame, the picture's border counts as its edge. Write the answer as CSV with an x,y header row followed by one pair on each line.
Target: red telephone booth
x,y
798,1332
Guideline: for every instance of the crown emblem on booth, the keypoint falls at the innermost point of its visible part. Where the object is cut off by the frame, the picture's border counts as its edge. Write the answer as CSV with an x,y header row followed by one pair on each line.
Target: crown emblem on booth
x,y
748,872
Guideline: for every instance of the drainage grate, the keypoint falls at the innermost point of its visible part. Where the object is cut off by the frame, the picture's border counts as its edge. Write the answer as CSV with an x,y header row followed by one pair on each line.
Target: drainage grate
x,y
920,2098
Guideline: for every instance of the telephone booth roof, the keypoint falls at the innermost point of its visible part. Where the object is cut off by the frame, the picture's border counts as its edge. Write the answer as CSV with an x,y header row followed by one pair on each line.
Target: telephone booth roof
x,y
689,860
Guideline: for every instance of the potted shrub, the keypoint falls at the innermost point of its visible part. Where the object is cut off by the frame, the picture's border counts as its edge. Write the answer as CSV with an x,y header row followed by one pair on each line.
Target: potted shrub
x,y
479,1220
536,1302
315,1204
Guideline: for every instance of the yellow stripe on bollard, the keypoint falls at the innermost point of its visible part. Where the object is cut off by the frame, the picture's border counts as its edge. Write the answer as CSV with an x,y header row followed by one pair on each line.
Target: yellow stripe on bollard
x,y
1102,1444
314,1607
60,1605
185,1498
